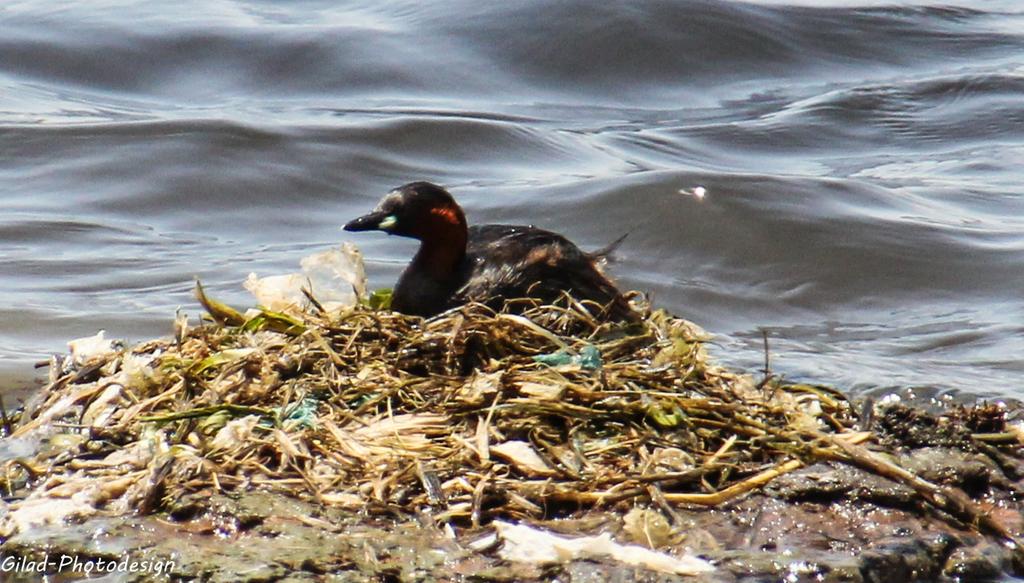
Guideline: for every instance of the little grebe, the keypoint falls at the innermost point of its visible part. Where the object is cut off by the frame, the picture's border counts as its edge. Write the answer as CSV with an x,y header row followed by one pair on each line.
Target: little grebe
x,y
485,263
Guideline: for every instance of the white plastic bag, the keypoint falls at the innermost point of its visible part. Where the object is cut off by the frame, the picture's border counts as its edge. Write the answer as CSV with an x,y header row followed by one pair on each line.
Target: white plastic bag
x,y
336,277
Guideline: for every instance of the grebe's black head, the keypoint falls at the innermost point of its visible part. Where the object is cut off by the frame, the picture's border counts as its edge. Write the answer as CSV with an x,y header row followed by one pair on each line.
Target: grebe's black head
x,y
419,210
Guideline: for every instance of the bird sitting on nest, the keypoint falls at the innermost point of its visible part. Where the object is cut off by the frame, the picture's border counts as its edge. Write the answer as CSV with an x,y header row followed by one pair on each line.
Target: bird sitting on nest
x,y
490,264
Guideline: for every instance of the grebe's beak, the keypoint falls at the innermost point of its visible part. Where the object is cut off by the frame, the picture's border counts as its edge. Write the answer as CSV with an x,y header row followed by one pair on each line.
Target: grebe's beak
x,y
377,220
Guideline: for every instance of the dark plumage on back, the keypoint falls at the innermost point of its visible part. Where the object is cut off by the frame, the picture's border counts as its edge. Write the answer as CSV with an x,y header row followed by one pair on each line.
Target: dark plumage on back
x,y
487,263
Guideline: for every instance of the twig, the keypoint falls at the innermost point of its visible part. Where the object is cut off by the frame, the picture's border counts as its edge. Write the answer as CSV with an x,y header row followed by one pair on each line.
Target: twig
x,y
207,411
950,500
6,420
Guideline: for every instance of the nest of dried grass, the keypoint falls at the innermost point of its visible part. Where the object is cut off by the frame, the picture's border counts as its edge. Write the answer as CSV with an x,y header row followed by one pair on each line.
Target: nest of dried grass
x,y
475,413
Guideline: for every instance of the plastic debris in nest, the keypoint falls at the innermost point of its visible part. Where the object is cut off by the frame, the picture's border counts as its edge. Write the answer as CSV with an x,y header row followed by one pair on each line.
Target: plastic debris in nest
x,y
301,414
90,347
588,358
336,278
81,352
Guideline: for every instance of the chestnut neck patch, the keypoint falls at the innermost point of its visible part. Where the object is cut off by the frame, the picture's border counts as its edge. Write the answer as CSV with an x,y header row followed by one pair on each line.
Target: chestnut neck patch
x,y
447,214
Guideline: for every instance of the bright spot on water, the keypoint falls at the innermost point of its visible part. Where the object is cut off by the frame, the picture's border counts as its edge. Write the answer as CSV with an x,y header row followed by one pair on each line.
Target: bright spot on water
x,y
697,192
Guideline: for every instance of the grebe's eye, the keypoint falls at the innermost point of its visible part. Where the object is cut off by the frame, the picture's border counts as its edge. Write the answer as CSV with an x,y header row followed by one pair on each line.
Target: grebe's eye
x,y
388,223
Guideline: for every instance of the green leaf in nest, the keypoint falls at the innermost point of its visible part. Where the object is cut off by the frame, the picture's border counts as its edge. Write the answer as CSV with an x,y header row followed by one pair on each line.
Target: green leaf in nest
x,y
380,299
664,416
276,321
211,424
220,358
221,312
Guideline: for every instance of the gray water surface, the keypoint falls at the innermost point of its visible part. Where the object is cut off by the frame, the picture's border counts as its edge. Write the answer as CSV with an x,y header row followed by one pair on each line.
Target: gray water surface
x,y
862,162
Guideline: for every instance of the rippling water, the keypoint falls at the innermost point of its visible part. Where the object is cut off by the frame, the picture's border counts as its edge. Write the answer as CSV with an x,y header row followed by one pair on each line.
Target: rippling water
x,y
862,159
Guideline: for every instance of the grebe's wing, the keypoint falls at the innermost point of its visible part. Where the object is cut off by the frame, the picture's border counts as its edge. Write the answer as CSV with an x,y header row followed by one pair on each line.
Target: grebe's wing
x,y
508,262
